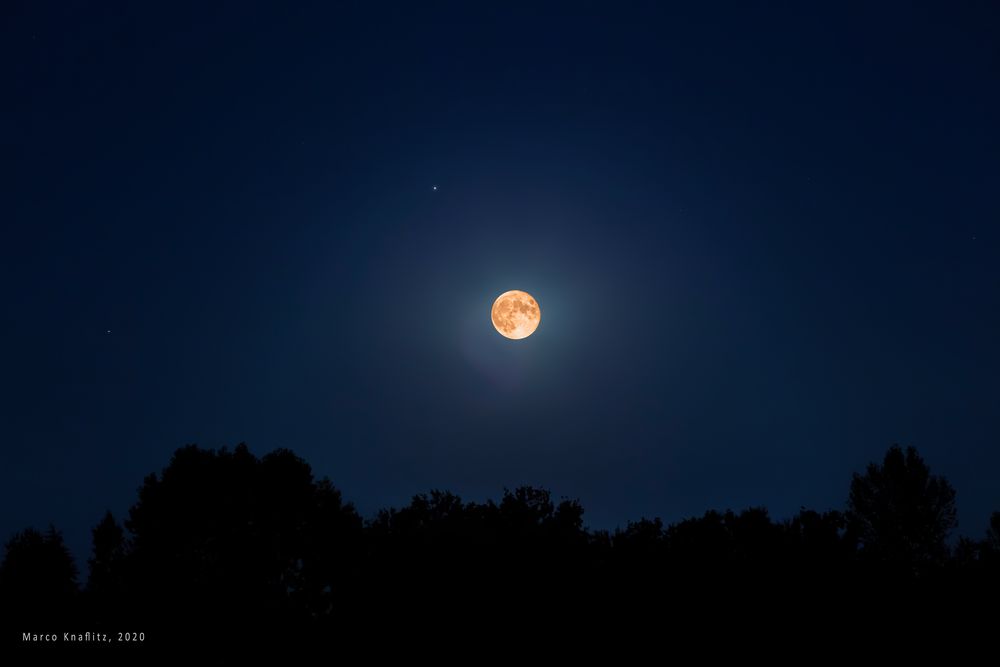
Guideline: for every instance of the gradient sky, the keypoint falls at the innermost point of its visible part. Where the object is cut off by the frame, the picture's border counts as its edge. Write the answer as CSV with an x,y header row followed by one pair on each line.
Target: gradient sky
x,y
764,240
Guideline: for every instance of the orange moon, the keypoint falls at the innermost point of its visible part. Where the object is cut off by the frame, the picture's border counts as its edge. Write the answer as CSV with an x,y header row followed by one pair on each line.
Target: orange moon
x,y
516,314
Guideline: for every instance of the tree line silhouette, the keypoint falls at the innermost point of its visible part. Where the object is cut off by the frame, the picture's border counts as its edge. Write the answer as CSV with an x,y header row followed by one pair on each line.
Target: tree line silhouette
x,y
224,537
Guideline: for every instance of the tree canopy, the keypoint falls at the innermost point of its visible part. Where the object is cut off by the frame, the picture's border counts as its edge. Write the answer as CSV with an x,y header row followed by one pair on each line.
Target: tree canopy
x,y
227,536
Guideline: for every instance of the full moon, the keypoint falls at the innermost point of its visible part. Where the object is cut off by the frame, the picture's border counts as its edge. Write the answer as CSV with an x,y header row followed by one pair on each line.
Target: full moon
x,y
516,314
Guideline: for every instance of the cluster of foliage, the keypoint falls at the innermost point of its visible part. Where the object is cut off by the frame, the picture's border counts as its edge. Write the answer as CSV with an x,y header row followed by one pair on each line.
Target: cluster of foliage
x,y
223,534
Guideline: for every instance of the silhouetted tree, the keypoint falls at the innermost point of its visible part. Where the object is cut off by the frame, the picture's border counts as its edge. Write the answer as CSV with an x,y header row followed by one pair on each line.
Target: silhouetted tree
x,y
428,549
643,538
820,539
993,533
440,546
528,517
901,513
107,560
700,543
719,542
248,538
633,559
37,576
982,555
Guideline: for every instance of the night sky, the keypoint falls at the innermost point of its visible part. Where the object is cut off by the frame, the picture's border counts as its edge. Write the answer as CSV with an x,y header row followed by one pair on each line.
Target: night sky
x,y
764,240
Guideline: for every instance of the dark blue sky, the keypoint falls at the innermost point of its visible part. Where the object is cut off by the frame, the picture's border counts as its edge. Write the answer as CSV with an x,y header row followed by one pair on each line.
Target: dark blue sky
x,y
764,240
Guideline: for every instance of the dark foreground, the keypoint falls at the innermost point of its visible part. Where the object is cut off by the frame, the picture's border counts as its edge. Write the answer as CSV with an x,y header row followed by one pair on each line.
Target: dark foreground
x,y
226,548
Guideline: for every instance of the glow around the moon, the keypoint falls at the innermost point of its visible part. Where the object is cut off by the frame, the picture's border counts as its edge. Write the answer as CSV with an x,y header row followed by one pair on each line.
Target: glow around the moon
x,y
516,314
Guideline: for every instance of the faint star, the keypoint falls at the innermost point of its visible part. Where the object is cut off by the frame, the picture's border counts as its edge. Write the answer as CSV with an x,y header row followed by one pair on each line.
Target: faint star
x,y
434,187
